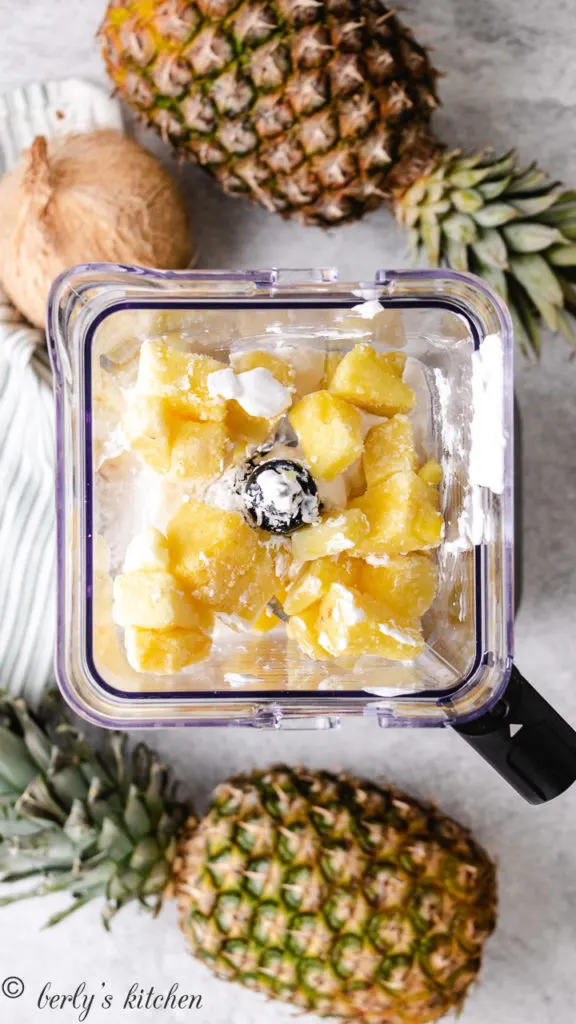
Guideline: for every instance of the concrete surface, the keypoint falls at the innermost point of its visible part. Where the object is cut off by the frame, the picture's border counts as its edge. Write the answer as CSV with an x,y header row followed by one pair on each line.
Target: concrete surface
x,y
511,79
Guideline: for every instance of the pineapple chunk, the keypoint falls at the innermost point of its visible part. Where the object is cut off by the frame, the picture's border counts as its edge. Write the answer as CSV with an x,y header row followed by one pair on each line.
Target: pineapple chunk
x,y
147,550
155,600
405,583
336,532
314,580
431,473
351,623
303,628
148,424
256,587
165,652
267,619
388,448
330,432
246,429
370,380
395,361
242,427
259,358
221,559
401,516
180,378
199,450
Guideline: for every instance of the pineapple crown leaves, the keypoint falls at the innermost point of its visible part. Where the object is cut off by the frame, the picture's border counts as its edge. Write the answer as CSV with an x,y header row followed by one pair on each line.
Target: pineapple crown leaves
x,y
512,226
98,824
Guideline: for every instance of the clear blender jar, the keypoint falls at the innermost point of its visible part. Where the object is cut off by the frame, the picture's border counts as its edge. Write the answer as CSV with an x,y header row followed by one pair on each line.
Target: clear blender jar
x,y
457,337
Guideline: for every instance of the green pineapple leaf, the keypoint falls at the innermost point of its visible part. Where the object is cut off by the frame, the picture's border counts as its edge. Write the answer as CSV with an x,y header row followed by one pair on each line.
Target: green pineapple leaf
x,y
511,226
98,824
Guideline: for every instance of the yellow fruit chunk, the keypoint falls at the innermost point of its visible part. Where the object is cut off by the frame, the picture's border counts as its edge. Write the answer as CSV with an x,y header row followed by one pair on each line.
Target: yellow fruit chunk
x,y
431,473
180,378
406,583
330,432
267,619
388,448
245,429
303,628
148,424
395,361
351,623
314,580
256,587
165,652
401,516
367,379
260,358
256,429
147,550
336,532
199,450
156,600
221,559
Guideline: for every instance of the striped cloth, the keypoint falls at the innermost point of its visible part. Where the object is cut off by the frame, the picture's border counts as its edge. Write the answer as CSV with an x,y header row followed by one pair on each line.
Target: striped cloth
x,y
27,519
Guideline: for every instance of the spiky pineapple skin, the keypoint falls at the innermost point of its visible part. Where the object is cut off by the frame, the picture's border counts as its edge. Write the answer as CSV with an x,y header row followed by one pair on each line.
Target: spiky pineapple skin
x,y
336,895
314,108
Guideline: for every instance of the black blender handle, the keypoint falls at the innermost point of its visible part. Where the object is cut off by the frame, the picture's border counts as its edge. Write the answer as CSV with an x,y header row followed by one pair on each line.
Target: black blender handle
x,y
526,741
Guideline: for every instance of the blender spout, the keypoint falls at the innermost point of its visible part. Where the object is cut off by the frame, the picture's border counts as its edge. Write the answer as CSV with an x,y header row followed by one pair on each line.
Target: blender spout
x,y
531,746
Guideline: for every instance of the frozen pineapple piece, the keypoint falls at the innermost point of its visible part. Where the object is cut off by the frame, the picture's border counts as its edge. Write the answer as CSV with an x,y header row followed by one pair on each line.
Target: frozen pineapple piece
x,y
370,380
210,548
148,424
199,450
405,583
165,652
336,532
388,448
314,580
330,432
352,623
156,600
147,550
260,358
246,429
394,361
256,587
401,516
431,473
303,628
221,559
267,619
180,378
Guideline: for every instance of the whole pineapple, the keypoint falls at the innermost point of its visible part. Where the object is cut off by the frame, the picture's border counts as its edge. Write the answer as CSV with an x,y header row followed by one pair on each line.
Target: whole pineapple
x,y
320,109
332,894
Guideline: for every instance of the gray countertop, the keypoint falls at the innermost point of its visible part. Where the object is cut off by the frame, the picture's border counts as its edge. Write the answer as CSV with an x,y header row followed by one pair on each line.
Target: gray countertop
x,y
511,79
